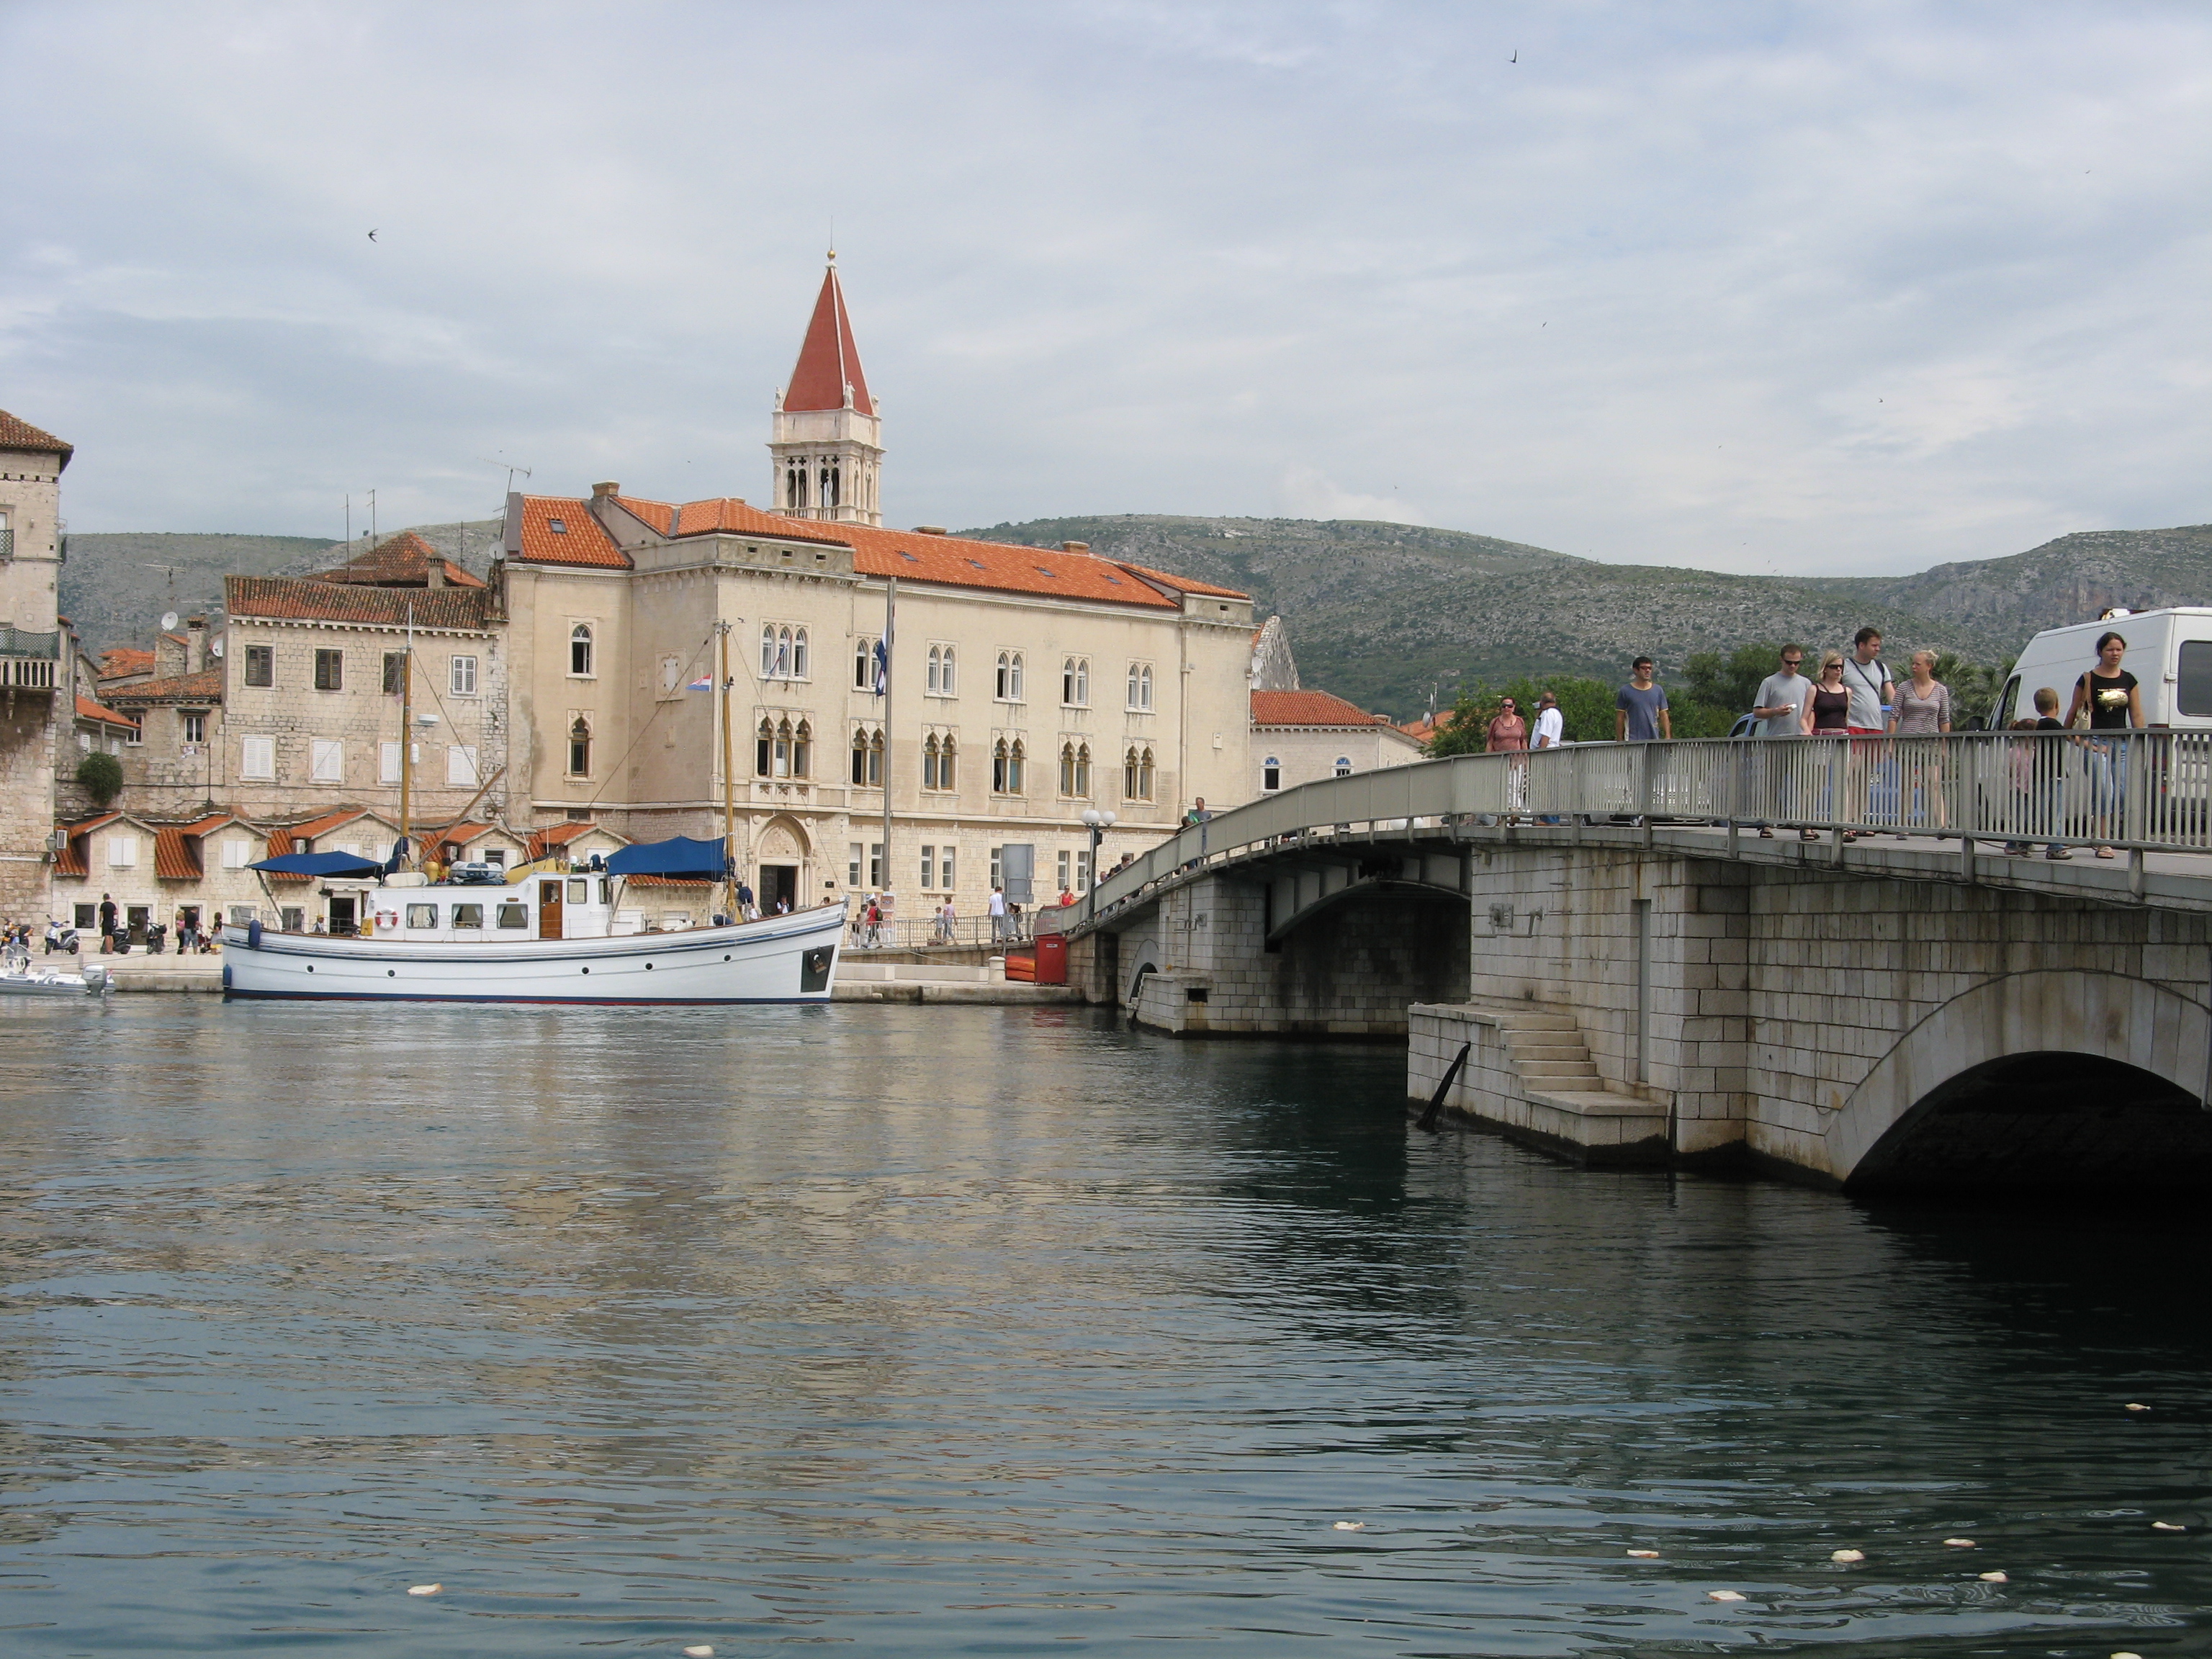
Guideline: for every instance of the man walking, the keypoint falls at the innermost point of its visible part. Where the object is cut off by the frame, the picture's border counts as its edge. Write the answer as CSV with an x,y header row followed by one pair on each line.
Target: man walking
x,y
997,908
1779,711
1640,707
1867,679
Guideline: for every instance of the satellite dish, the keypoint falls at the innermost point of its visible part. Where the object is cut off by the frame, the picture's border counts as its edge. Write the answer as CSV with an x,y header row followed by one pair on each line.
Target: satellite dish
x,y
168,621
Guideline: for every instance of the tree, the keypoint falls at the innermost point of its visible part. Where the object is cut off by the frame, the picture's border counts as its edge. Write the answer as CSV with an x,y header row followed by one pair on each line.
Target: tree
x,y
1585,704
101,775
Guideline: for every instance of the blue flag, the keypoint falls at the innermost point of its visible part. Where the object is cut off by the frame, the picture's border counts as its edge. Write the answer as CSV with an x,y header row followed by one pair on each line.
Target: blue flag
x,y
883,668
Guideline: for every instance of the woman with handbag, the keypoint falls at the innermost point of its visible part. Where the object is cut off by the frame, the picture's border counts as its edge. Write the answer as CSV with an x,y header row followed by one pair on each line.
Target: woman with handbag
x,y
2110,698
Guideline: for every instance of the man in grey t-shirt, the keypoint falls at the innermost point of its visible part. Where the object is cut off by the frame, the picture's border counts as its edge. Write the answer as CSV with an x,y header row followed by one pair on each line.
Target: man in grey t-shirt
x,y
1779,710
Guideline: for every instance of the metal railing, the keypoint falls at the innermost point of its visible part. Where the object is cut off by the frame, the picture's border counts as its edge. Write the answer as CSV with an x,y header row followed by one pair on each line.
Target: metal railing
x,y
2146,791
918,932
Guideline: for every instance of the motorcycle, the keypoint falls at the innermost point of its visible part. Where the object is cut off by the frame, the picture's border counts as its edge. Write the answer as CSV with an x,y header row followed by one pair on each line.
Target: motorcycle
x,y
61,936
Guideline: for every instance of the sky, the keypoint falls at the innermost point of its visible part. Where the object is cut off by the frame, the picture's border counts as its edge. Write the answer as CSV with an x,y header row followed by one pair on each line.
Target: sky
x,y
1813,289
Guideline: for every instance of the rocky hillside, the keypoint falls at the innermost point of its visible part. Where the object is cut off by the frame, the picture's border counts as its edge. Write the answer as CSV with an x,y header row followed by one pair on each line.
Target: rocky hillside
x,y
1381,613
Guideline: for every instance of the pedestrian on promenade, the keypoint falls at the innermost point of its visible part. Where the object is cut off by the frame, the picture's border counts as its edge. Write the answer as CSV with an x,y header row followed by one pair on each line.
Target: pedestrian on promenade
x,y
1779,709
2114,701
997,909
1828,714
1923,710
747,910
948,925
1551,733
1640,712
872,936
1197,818
2050,769
1872,688
107,923
1508,734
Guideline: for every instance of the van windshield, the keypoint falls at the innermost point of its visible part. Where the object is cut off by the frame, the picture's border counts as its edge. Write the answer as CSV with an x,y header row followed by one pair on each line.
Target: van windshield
x,y
2192,691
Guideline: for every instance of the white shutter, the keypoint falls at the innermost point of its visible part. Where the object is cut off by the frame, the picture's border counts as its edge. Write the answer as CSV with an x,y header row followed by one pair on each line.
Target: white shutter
x,y
236,854
461,766
387,763
328,759
123,852
257,758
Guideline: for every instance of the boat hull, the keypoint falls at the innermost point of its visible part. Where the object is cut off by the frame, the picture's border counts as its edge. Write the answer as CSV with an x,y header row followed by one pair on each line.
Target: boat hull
x,y
777,960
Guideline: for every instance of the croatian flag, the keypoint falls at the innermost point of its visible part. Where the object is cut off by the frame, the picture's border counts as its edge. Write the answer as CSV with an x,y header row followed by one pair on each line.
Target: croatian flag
x,y
704,683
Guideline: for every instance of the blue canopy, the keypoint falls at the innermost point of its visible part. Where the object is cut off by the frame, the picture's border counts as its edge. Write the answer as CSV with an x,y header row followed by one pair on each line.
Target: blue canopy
x,y
320,864
679,855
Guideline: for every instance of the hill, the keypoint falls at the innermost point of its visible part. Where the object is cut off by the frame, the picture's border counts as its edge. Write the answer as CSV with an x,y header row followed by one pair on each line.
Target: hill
x,y
115,587
1381,613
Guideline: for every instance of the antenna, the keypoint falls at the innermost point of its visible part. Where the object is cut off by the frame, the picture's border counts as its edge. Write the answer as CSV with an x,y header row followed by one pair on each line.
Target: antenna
x,y
512,469
168,621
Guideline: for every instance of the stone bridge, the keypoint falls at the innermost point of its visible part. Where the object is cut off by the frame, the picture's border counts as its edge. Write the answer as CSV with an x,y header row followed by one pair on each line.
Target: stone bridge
x,y
1914,1009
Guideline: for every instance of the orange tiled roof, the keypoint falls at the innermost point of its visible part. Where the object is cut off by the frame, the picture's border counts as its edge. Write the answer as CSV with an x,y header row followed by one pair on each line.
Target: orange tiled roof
x,y
730,515
86,709
829,361
543,840
401,561
293,599
696,884
1320,708
958,563
1185,584
124,659
70,860
21,434
206,686
285,837
456,834
579,538
176,852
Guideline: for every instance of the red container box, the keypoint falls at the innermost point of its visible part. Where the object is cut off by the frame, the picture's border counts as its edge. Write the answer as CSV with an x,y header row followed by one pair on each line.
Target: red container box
x,y
1051,959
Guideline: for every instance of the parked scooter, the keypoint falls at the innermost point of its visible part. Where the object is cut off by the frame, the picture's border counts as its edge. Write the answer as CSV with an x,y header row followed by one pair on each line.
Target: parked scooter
x,y
157,934
60,936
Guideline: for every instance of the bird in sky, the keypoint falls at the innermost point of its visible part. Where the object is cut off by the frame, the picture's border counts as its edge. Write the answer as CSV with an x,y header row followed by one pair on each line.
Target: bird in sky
x,y
372,235
1516,58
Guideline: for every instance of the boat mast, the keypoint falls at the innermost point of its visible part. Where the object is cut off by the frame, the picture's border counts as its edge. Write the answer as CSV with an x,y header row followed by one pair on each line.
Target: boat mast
x,y
729,779
406,725
891,629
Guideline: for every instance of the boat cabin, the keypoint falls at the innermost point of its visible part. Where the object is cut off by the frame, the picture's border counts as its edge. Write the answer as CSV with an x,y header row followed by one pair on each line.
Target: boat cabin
x,y
541,906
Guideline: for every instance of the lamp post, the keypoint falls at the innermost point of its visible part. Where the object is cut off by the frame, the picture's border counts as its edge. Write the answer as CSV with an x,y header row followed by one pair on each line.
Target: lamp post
x,y
1098,824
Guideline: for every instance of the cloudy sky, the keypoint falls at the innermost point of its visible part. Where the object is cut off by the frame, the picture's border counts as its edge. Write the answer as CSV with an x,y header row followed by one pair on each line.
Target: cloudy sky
x,y
1813,288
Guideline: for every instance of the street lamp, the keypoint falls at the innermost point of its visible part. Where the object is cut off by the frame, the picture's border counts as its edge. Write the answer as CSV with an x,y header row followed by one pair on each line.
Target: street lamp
x,y
1099,822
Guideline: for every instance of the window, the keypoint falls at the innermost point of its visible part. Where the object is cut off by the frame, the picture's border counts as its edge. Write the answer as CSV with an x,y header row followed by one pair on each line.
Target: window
x,y
123,852
422,916
241,915
511,915
330,670
237,854
2193,684
1136,774
935,681
802,751
261,664
868,759
1344,766
768,653
1140,686
1064,873
799,654
136,734
257,758
944,868
461,766
853,864
671,676
326,757
461,677
387,763
195,720
763,742
875,864
1271,774
1007,767
1075,769
1010,676
469,915
88,918
1075,682
929,762
928,866
580,651
783,748
579,748
998,878
1083,871
864,664
941,679
395,671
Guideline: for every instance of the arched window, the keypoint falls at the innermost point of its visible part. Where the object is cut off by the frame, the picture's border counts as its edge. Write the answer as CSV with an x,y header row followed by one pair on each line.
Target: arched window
x,y
1145,686
579,748
1271,774
929,762
783,654
1344,766
1009,688
1004,678
768,653
763,742
799,654
783,748
1145,774
1133,702
1083,768
951,687
580,650
802,751
934,682
1129,775
1075,682
947,755
1014,768
794,484
864,664
1067,768
832,485
998,758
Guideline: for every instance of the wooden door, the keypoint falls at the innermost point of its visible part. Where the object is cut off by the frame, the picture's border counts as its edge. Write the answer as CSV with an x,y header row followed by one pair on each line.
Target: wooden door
x,y
549,909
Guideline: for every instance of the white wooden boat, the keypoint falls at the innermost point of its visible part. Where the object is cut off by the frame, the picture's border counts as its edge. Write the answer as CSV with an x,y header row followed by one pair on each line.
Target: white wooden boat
x,y
549,938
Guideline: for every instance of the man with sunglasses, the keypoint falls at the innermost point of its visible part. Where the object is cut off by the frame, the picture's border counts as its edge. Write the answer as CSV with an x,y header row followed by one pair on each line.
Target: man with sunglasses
x,y
1781,704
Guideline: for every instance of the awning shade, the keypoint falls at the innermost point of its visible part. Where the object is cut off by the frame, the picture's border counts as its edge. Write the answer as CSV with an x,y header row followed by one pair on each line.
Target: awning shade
x,y
319,864
677,856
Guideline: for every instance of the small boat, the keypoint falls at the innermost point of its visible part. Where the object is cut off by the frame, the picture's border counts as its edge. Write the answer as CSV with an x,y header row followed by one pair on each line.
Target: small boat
x,y
18,978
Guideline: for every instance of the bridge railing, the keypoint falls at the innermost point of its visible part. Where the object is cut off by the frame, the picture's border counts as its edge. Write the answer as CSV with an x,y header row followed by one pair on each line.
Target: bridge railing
x,y
2150,790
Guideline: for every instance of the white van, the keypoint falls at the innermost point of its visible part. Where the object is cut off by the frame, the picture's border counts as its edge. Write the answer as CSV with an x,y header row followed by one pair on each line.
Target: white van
x,y
2169,653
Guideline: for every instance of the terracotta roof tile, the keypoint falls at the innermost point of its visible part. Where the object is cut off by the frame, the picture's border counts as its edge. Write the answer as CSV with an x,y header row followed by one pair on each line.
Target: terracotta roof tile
x,y
124,659
579,540
206,686
1184,584
958,563
401,561
459,835
547,836
21,434
1308,709
729,515
292,599
829,361
86,709
70,860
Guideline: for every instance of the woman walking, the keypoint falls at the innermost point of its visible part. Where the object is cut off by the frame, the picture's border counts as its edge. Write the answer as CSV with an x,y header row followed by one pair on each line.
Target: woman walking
x,y
2115,704
1923,710
1828,714
1508,735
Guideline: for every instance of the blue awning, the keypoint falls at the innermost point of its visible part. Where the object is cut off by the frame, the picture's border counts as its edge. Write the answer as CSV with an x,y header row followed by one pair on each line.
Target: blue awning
x,y
677,856
319,864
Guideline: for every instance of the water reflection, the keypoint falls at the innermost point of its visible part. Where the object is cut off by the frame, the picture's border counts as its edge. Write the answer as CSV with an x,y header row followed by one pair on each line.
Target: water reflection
x,y
924,1330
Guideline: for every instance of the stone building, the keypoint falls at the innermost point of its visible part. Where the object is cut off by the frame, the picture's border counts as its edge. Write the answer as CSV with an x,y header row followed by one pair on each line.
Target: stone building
x,y
1300,736
37,682
194,869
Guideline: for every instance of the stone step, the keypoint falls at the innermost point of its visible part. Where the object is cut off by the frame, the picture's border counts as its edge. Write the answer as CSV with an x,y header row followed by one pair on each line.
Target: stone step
x,y
1557,1073
1528,1051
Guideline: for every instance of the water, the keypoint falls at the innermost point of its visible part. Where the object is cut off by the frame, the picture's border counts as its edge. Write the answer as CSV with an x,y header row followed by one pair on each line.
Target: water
x,y
934,1330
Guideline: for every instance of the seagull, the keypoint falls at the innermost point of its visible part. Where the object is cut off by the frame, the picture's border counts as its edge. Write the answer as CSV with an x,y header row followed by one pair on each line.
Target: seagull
x,y
372,235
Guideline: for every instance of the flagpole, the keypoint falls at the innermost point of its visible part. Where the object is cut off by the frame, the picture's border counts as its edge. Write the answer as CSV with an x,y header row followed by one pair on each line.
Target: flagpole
x,y
729,782
891,629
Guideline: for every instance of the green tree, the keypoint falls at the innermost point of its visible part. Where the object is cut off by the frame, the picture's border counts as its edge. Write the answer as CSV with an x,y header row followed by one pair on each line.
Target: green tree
x,y
1730,683
101,775
1585,704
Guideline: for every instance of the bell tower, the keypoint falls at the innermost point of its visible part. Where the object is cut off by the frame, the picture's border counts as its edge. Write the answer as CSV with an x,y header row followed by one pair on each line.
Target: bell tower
x,y
827,447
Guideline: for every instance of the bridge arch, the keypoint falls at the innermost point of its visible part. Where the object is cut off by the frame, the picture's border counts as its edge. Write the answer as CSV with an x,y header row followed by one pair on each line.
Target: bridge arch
x,y
2043,1078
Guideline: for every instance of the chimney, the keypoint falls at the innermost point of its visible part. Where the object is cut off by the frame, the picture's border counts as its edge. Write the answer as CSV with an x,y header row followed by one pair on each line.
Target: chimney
x,y
195,644
433,571
599,489
1075,547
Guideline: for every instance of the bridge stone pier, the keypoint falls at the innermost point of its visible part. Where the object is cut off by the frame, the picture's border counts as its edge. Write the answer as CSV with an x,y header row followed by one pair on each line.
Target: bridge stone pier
x,y
1886,1015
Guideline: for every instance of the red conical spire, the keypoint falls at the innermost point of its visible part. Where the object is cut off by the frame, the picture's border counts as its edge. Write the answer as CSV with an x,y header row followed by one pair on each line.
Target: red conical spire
x,y
829,361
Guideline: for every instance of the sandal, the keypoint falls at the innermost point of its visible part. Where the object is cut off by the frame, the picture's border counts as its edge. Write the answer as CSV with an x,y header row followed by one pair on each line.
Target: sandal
x,y
1808,835
2060,852
1766,835
2104,852
1851,835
